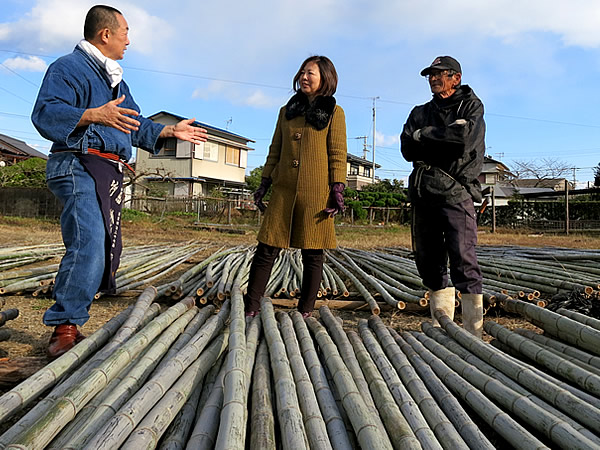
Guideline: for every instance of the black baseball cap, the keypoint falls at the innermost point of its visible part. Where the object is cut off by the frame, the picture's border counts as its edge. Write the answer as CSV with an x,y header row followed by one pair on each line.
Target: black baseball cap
x,y
442,63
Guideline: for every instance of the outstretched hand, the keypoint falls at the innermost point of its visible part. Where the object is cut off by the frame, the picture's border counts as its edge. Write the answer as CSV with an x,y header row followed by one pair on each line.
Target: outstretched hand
x,y
112,115
185,131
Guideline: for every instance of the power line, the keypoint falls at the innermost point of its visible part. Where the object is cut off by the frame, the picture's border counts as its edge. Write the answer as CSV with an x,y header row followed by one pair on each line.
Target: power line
x,y
250,83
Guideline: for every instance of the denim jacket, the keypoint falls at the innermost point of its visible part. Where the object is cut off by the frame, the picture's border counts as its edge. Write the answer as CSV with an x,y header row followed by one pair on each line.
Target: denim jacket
x,y
72,84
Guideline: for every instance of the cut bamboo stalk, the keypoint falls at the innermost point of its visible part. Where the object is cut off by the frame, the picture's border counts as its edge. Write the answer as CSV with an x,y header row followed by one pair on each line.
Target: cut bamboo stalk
x,y
518,404
94,415
177,433
566,329
345,349
582,318
443,339
232,429
559,365
565,349
115,431
314,424
204,434
336,427
461,420
65,408
442,427
361,288
293,434
147,434
369,435
586,413
358,305
399,431
262,420
33,386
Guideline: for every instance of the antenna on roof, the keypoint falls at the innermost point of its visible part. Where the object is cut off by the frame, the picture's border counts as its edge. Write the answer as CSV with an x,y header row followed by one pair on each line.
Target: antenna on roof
x,y
228,122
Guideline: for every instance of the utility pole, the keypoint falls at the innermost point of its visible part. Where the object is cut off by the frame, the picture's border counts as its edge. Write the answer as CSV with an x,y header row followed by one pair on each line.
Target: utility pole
x,y
574,178
374,137
365,146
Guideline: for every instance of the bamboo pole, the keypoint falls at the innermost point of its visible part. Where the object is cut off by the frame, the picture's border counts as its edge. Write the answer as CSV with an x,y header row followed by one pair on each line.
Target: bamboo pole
x,y
95,414
314,424
147,434
33,386
559,365
232,430
262,420
115,431
566,329
336,427
65,408
293,433
450,344
501,422
442,427
461,420
398,429
583,411
361,288
582,318
369,435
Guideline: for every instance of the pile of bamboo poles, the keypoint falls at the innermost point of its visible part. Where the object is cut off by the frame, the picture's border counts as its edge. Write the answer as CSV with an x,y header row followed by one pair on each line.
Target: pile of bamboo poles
x,y
140,266
352,278
190,378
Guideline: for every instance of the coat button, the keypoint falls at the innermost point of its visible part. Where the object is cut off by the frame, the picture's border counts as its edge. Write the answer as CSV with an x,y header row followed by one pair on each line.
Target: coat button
x,y
297,136
295,163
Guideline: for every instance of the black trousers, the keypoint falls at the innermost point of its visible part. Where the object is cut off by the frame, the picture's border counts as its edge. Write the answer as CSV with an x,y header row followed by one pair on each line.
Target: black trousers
x,y
260,271
442,233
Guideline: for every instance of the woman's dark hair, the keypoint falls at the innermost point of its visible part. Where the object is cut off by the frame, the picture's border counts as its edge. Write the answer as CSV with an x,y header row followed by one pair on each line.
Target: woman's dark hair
x,y
98,18
329,77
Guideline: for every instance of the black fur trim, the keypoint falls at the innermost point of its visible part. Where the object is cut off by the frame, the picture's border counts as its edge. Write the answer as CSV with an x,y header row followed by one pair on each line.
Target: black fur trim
x,y
318,114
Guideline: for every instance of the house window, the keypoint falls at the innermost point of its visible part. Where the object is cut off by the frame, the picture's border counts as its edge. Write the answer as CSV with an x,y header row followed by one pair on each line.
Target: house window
x,y
169,148
367,171
233,156
211,151
353,170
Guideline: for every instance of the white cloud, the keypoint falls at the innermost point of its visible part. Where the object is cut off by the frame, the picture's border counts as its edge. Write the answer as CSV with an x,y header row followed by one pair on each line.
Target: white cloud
x,y
238,95
57,25
29,64
386,141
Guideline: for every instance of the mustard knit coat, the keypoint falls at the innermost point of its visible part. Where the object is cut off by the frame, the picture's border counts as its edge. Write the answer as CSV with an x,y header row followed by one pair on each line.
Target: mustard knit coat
x,y
307,154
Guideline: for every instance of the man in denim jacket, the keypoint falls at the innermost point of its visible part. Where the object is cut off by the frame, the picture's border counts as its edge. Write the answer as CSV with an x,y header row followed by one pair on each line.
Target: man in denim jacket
x,y
85,108
445,141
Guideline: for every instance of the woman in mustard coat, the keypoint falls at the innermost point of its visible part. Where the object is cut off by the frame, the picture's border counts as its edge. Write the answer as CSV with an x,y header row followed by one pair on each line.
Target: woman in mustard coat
x,y
306,166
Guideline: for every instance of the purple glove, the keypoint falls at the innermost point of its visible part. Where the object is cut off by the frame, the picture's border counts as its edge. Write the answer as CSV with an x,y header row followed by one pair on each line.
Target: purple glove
x,y
336,199
265,184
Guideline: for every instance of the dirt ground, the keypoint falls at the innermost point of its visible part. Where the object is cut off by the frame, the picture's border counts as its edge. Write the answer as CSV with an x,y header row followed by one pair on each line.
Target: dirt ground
x,y
29,336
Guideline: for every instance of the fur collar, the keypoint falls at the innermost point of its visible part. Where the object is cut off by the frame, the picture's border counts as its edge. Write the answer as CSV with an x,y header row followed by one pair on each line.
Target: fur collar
x,y
317,114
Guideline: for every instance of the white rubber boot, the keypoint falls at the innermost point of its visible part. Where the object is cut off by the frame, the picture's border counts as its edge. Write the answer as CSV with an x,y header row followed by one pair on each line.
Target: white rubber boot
x,y
444,299
472,313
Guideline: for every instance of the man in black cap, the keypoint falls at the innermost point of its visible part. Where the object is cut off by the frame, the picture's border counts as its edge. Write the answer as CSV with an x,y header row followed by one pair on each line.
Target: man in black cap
x,y
444,139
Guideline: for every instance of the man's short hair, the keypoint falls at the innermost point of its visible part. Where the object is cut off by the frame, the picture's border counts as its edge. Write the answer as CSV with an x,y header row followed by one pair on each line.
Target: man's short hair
x,y
98,18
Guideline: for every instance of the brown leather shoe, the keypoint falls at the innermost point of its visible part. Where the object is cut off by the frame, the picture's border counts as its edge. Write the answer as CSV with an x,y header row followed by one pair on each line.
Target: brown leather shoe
x,y
62,340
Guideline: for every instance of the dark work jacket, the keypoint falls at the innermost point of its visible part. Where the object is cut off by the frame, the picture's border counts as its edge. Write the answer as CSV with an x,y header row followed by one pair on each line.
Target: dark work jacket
x,y
447,159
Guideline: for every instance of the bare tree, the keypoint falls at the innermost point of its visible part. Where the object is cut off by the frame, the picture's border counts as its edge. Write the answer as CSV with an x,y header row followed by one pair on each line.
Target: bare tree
x,y
541,169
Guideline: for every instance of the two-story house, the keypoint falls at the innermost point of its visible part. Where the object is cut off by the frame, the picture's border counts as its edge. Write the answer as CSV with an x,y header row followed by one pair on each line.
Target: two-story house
x,y
186,169
359,172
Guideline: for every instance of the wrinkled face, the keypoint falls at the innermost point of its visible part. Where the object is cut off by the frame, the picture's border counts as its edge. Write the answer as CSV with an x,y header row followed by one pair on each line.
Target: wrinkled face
x,y
118,40
443,84
310,79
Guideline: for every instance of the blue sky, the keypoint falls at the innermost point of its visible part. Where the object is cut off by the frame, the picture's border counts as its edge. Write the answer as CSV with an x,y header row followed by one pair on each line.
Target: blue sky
x,y
535,64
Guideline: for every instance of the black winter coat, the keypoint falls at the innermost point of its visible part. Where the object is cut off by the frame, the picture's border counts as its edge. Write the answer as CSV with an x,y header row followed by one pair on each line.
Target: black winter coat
x,y
448,157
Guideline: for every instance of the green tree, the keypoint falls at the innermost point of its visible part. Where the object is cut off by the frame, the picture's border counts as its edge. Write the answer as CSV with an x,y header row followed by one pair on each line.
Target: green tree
x,y
597,176
28,173
253,181
385,185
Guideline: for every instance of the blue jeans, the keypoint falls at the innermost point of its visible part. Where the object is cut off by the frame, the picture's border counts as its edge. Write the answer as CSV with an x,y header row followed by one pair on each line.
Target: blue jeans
x,y
82,226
